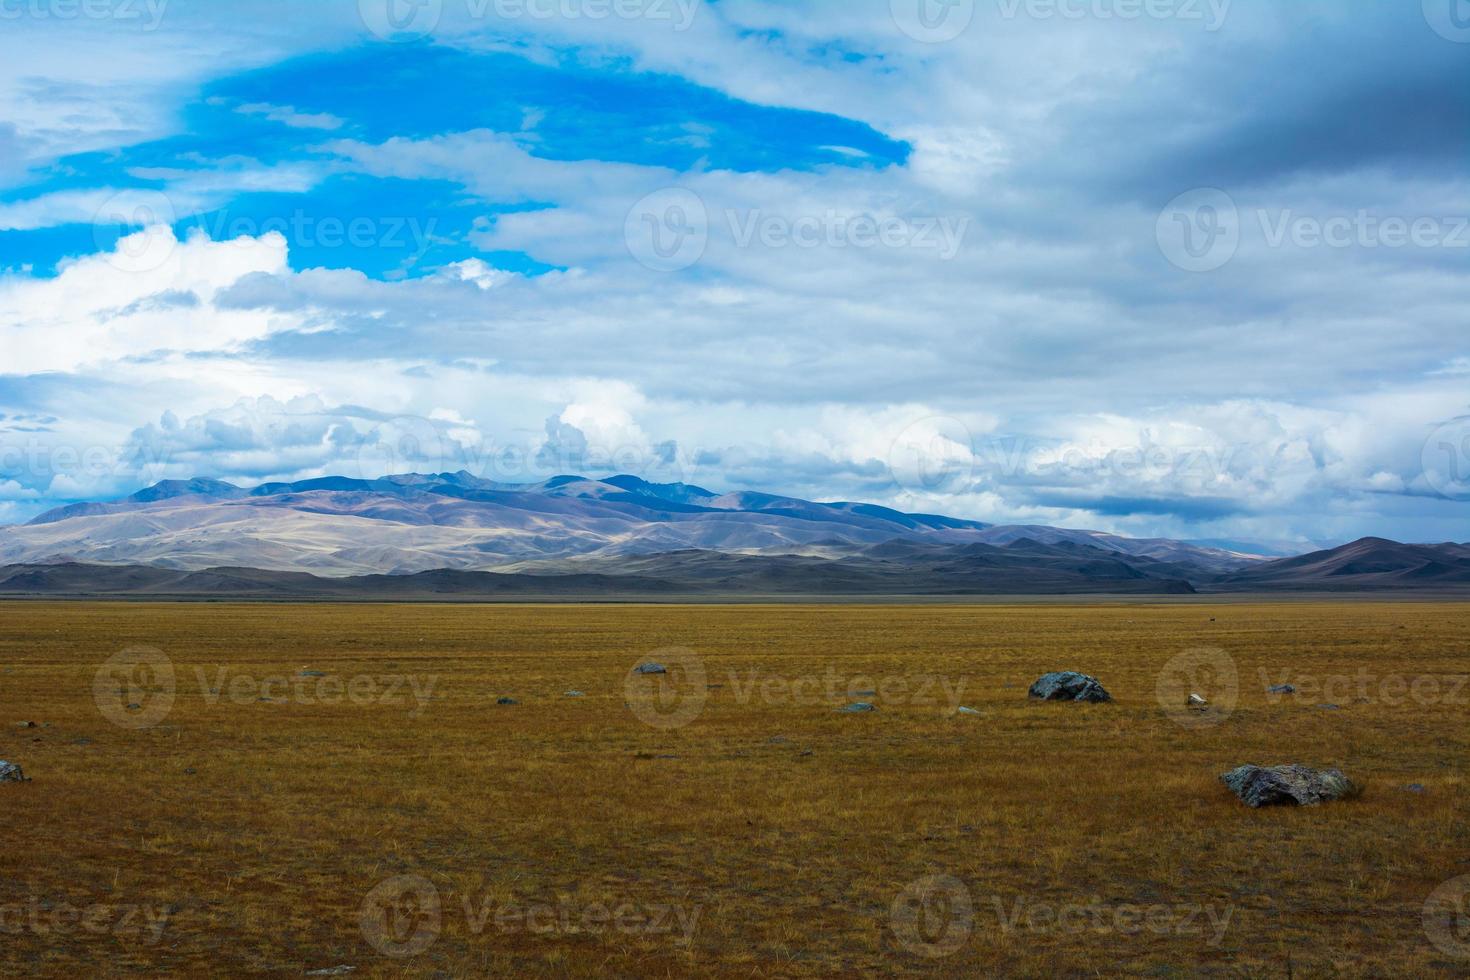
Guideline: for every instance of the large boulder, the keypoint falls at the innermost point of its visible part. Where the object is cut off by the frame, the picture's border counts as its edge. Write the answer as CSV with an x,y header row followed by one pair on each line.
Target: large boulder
x,y
10,773
1291,785
1068,685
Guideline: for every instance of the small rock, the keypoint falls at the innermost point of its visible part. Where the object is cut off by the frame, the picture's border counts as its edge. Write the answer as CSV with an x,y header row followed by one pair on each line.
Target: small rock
x,y
1069,685
856,707
10,773
966,711
1195,701
25,724
189,772
805,753
1330,707
650,668
312,673
574,694
135,707
507,701
1291,785
1281,689
1414,788
777,740
332,971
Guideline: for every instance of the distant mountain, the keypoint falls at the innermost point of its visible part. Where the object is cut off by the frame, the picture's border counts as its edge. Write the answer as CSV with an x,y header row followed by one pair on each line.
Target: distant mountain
x,y
399,525
1371,564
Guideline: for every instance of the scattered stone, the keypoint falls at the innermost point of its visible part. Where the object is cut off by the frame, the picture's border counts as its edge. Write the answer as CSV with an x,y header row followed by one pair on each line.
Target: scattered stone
x,y
10,773
650,668
856,707
25,724
777,740
805,753
967,711
1069,685
1291,785
1414,788
1330,707
332,971
312,673
574,694
1281,689
1195,701
189,772
507,701
135,707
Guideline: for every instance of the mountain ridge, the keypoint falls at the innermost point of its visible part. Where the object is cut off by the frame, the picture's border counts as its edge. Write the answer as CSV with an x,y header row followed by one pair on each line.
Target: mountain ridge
x,y
409,523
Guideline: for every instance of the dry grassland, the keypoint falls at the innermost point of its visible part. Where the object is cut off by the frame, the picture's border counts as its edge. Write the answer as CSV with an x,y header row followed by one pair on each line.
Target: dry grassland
x,y
413,826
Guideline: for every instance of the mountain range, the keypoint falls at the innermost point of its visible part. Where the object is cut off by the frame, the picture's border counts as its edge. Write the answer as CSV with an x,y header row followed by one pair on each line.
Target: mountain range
x,y
455,535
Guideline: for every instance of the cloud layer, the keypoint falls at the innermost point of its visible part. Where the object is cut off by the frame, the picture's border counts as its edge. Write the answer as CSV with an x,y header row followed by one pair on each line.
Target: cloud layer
x,y
1198,270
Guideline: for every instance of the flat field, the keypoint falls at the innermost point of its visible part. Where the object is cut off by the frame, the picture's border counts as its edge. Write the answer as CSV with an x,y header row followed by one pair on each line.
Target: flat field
x,y
273,790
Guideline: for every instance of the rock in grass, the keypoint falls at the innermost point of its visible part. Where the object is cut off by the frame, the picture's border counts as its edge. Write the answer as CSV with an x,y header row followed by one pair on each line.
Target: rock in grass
x,y
856,707
1414,788
1281,689
507,701
574,694
1195,701
10,773
966,711
650,668
1291,785
1069,685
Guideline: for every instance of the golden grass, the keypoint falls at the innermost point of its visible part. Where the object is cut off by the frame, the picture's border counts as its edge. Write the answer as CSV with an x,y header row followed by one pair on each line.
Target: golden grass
x,y
781,831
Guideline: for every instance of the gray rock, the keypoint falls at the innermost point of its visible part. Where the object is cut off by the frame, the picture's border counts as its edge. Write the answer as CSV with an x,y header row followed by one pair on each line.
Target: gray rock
x,y
650,668
1069,685
507,701
966,711
1280,689
312,673
332,971
1414,788
10,773
1291,785
1330,707
856,707
1195,701
574,694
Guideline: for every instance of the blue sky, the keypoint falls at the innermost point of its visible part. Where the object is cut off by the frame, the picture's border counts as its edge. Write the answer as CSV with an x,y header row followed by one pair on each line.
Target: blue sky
x,y
1200,271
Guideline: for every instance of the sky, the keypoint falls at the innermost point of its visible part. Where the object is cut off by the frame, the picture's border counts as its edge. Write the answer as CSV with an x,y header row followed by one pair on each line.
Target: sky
x,y
1186,268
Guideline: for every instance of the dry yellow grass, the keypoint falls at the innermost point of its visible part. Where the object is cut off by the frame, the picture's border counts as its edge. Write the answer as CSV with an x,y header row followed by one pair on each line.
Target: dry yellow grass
x,y
775,834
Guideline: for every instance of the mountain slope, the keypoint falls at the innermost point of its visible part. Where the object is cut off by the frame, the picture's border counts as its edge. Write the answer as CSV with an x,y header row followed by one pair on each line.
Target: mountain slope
x,y
1368,564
